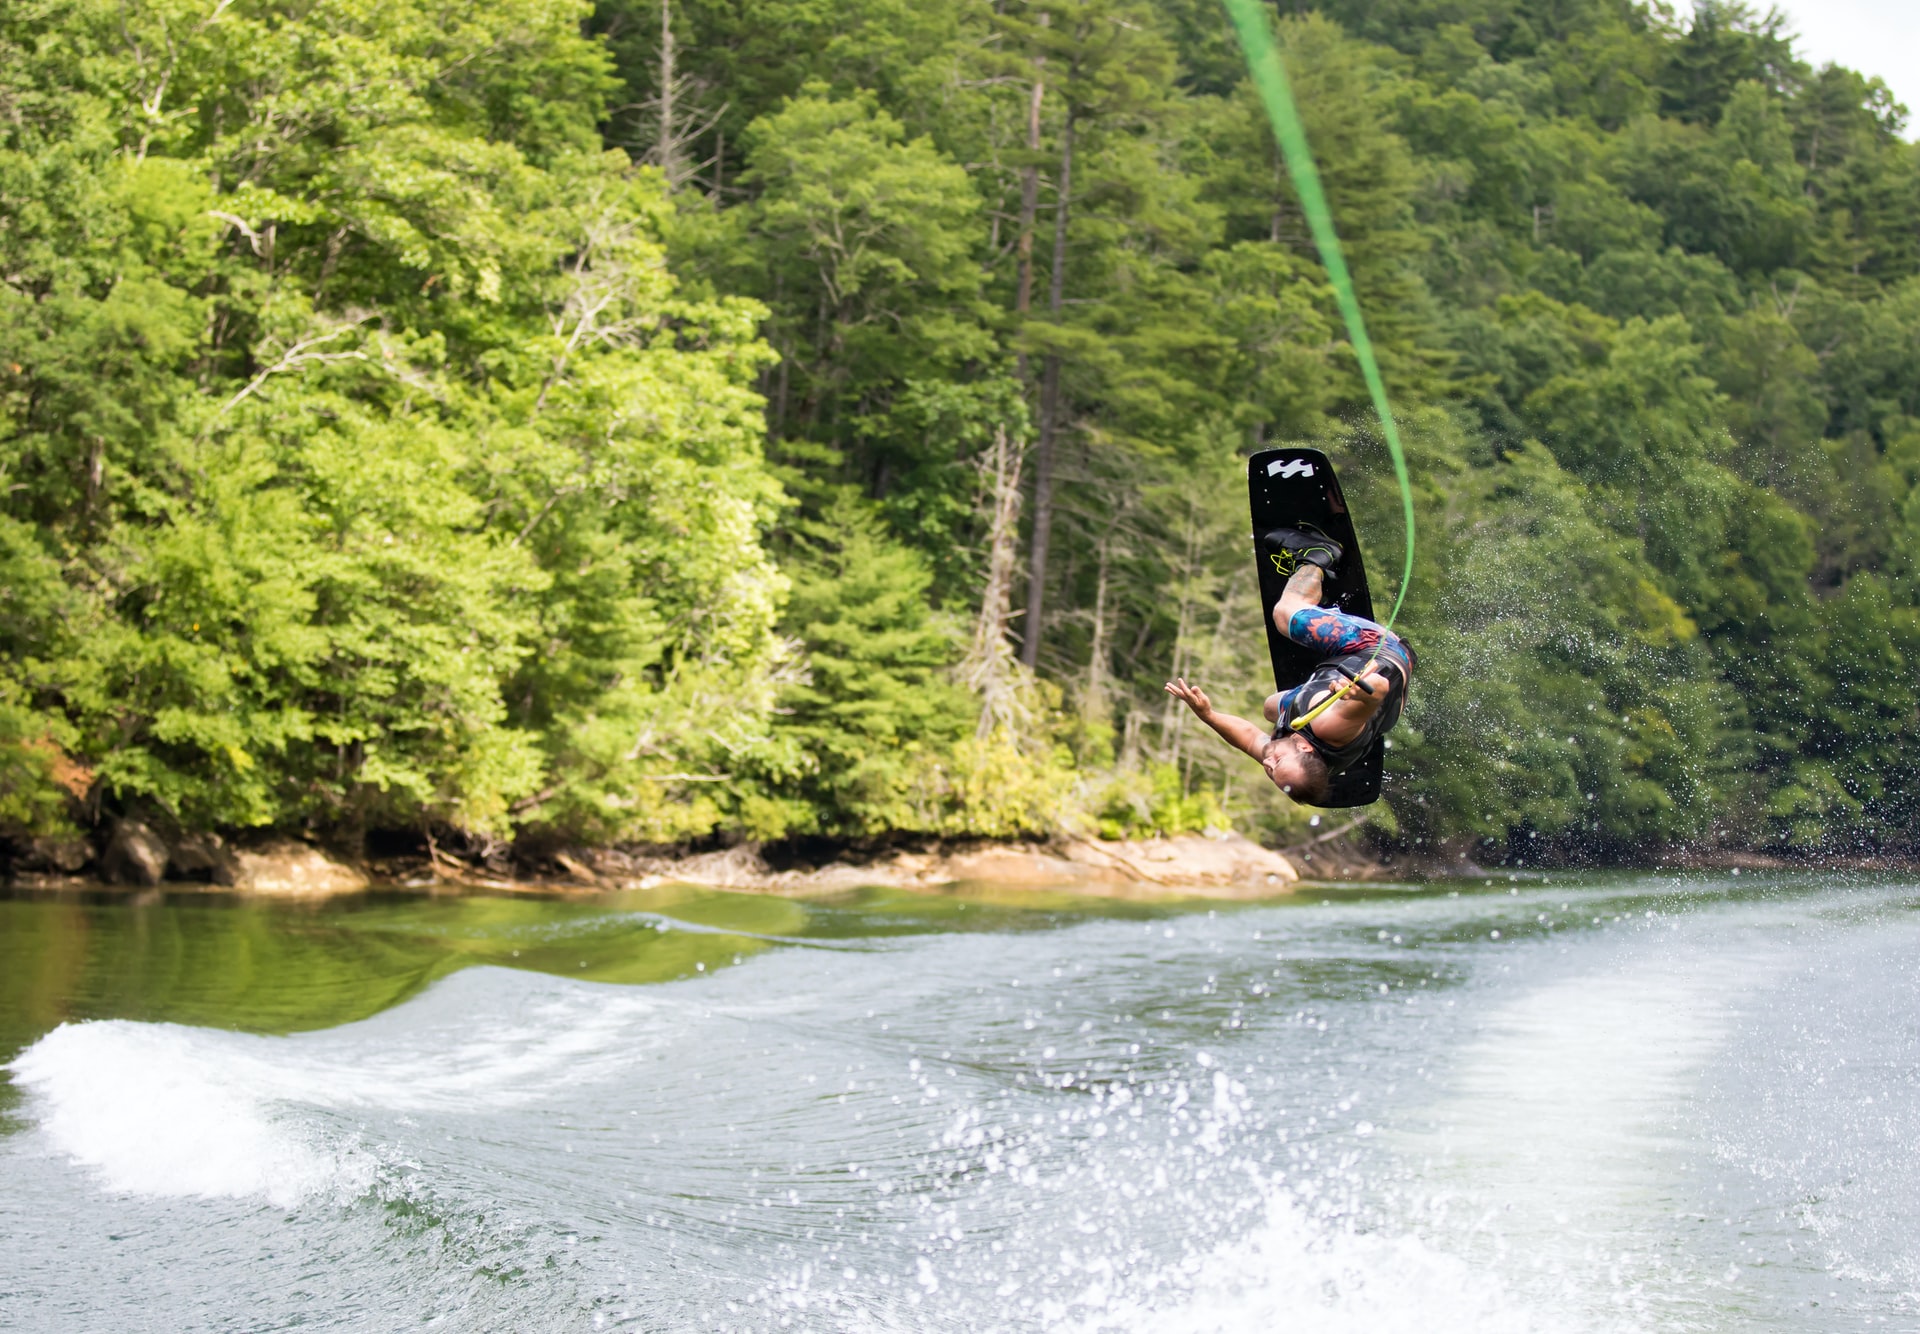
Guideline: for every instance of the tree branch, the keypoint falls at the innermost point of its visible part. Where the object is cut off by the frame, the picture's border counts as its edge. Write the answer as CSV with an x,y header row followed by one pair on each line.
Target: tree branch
x,y
1330,835
300,354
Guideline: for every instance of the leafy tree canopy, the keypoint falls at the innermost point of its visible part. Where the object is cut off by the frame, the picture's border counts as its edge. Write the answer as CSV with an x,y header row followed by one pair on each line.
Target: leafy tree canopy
x,y
663,419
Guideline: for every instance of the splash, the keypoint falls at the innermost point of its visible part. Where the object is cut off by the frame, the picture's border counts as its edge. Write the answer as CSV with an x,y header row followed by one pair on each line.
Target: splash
x,y
1315,1275
161,1109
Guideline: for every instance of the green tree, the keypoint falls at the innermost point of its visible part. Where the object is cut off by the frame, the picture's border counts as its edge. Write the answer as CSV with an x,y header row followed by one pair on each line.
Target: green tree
x,y
870,245
878,707
610,422
1726,45
366,369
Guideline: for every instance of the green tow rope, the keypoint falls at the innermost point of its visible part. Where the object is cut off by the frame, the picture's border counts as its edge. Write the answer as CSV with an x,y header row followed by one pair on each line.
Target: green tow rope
x,y
1270,79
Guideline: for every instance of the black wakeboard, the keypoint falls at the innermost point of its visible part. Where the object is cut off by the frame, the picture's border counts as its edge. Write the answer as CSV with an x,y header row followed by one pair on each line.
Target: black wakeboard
x,y
1288,487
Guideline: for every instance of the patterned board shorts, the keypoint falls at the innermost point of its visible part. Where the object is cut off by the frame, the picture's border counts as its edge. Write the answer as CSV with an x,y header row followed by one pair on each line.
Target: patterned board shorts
x,y
1332,633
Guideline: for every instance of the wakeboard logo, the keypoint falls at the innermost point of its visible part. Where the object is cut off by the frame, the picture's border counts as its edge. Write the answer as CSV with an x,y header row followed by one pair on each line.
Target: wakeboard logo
x,y
1290,468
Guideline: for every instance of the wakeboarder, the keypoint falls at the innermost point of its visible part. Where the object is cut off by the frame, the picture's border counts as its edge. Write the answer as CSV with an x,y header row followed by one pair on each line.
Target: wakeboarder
x,y
1325,724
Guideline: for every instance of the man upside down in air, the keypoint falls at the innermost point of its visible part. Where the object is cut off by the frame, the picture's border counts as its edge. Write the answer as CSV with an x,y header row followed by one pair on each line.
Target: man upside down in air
x,y
1328,722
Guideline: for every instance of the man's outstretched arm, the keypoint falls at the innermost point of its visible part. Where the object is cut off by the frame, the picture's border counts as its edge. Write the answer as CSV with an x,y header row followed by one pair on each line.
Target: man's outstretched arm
x,y
1236,732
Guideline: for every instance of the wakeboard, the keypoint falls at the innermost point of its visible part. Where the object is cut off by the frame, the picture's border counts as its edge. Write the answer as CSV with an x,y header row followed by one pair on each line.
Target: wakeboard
x,y
1288,487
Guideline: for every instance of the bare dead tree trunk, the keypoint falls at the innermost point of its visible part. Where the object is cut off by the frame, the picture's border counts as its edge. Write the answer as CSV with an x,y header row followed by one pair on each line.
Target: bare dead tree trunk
x,y
683,120
668,151
1276,231
1130,738
1094,704
1042,535
988,668
1029,208
1049,413
1227,608
1170,712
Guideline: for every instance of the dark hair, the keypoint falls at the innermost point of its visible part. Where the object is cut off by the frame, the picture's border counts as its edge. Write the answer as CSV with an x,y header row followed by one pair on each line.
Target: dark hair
x,y
1316,780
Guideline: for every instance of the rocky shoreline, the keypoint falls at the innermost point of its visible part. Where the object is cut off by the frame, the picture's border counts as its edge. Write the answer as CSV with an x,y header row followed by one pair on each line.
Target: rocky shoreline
x,y
1215,864
134,857
1211,865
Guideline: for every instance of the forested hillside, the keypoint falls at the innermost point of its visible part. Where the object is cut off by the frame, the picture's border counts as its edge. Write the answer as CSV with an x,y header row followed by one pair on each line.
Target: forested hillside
x,y
666,419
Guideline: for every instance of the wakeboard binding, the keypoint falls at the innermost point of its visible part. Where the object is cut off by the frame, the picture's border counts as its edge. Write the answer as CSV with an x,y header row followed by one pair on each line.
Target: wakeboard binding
x,y
1290,548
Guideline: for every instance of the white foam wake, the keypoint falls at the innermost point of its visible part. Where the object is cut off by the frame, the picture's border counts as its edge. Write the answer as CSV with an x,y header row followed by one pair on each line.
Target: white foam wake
x,y
1552,1136
1295,1274
1564,1107
163,1109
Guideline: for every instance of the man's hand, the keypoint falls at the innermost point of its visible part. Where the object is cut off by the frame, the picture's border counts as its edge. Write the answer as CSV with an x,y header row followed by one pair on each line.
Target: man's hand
x,y
1195,697
1236,732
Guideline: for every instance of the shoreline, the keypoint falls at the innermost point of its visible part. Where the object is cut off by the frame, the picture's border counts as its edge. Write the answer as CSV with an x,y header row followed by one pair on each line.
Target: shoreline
x,y
1214,865
1211,865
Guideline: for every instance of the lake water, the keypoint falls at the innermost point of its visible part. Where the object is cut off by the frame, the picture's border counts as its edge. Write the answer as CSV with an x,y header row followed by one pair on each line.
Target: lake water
x,y
1583,1104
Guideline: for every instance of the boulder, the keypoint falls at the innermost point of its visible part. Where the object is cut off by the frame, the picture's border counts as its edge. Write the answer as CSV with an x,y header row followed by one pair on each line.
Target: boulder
x,y
290,868
203,857
576,868
53,853
1214,864
135,854
732,868
1023,867
1224,863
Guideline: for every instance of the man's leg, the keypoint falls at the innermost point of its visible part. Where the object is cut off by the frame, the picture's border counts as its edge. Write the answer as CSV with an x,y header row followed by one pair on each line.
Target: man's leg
x,y
1329,630
1302,592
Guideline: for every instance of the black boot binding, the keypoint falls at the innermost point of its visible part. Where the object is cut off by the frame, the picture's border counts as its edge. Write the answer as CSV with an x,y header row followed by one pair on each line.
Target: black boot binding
x,y
1290,548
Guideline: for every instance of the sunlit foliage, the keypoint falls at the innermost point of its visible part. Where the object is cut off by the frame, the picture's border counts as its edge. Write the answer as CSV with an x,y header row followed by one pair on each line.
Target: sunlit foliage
x,y
410,418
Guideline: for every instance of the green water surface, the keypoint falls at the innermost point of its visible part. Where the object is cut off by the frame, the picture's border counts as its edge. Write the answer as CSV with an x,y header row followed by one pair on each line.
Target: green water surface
x,y
264,966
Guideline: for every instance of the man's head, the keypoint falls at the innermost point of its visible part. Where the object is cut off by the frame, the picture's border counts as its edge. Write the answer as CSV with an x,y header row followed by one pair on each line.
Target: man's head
x,y
1297,769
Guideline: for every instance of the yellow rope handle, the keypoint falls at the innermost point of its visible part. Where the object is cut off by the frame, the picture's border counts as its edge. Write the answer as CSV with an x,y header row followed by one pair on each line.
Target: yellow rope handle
x,y
1300,724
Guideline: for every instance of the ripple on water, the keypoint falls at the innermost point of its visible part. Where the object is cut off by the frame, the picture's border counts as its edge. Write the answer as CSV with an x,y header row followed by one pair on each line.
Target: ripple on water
x,y
1368,1115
